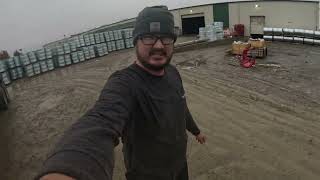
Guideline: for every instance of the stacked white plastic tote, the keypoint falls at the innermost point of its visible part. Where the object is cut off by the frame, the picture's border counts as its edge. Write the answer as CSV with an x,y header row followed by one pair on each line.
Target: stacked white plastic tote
x,y
77,49
211,32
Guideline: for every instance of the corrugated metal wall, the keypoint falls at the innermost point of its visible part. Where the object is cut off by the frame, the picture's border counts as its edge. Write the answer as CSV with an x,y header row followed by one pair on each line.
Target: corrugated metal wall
x,y
302,15
206,10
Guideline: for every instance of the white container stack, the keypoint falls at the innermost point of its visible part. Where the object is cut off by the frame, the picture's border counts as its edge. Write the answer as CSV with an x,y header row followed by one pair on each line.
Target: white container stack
x,y
74,57
97,38
36,68
81,40
111,46
91,52
60,50
104,48
10,62
128,33
120,44
86,40
106,36
41,54
17,61
111,36
76,49
43,66
91,37
212,32
129,43
11,65
5,77
218,26
50,64
66,48
61,62
86,53
81,56
102,39
4,74
48,53
67,59
101,49
13,74
3,66
29,70
20,72
76,41
117,34
73,46
32,57
24,60
202,33
18,68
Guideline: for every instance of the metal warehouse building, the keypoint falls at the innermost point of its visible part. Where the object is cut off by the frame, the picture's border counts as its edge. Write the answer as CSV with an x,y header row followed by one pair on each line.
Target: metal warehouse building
x,y
253,14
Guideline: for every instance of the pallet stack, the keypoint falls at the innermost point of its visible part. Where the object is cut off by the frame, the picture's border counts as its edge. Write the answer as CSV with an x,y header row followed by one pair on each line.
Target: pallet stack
x,y
212,32
4,74
128,38
218,26
77,49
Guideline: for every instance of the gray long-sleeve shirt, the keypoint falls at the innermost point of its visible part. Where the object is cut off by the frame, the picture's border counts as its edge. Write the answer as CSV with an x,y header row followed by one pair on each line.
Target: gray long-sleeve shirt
x,y
148,112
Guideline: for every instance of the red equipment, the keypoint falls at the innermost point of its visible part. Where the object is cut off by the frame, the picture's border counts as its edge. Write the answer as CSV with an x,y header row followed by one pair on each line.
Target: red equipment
x,y
239,29
246,61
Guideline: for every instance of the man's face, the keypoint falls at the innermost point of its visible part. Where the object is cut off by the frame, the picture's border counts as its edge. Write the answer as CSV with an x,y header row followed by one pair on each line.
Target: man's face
x,y
155,51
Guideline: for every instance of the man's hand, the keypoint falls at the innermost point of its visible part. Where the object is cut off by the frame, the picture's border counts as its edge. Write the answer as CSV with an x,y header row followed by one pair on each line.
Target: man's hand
x,y
201,138
55,176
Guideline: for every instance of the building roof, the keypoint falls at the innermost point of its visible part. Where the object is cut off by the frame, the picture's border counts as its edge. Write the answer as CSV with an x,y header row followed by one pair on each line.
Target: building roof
x,y
235,1
132,20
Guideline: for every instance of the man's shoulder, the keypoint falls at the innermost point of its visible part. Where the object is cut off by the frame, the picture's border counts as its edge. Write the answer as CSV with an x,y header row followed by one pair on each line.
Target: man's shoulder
x,y
125,74
172,69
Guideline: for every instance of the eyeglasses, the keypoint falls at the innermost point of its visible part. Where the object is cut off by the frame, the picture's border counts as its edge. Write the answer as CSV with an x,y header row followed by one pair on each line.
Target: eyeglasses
x,y
152,39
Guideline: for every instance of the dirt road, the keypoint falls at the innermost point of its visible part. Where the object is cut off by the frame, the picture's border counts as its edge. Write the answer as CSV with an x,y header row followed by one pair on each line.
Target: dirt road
x,y
262,123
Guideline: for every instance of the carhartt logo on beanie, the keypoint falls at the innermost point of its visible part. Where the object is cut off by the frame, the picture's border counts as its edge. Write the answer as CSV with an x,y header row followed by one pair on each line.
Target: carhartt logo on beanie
x,y
155,19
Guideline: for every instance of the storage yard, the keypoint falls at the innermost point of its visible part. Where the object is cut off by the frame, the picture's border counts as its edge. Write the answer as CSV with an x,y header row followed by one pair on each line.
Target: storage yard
x,y
261,123
256,100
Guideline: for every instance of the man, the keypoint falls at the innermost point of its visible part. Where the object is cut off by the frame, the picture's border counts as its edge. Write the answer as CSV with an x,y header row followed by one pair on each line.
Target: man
x,y
143,104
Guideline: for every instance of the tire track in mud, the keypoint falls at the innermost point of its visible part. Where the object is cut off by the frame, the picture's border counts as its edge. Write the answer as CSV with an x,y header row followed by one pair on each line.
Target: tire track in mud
x,y
250,121
256,128
36,123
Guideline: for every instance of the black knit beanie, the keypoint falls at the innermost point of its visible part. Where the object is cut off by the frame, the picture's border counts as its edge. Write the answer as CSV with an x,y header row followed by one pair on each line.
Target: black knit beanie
x,y
155,19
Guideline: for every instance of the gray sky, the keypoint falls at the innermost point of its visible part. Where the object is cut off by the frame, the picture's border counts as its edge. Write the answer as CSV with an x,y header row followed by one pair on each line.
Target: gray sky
x,y
28,24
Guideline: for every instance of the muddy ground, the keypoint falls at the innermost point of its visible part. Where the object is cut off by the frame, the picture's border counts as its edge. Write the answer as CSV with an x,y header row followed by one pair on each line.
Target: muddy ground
x,y
262,123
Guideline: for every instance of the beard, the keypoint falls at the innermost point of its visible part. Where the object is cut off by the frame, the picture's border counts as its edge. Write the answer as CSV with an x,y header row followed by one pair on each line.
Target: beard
x,y
146,64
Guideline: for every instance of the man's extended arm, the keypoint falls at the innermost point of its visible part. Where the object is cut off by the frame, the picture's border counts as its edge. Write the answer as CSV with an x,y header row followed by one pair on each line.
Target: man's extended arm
x,y
86,151
191,124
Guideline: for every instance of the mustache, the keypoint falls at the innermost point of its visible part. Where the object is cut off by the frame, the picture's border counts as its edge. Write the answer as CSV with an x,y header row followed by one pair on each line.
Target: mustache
x,y
155,51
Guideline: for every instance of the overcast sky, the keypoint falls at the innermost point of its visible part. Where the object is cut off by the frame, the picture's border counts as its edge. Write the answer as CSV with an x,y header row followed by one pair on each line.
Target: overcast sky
x,y
28,24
